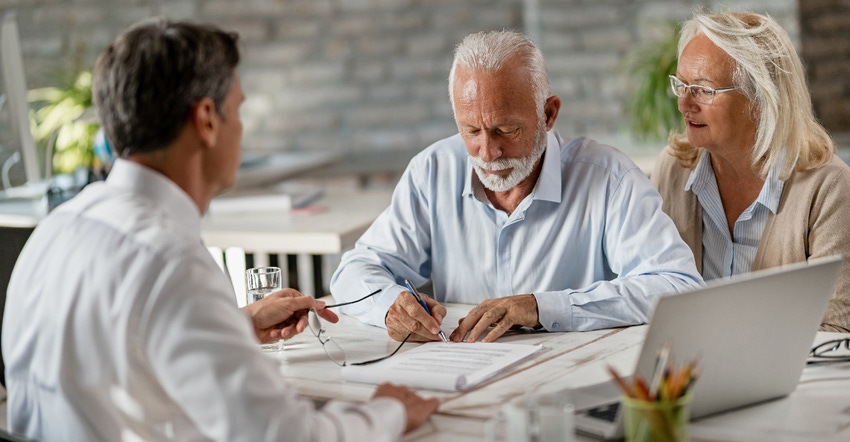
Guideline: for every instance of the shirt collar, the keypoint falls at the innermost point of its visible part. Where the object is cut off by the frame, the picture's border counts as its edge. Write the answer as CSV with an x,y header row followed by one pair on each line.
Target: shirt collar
x,y
548,186
770,192
170,199
702,173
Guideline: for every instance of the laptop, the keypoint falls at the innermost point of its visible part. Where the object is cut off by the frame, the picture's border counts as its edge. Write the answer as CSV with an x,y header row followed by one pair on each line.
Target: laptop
x,y
752,334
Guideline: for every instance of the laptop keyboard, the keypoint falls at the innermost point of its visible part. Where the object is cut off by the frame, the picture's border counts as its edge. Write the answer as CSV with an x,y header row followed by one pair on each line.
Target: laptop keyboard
x,y
607,412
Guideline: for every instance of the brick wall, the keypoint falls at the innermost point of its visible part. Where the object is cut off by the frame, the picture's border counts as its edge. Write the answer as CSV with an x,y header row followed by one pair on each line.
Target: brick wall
x,y
825,38
370,75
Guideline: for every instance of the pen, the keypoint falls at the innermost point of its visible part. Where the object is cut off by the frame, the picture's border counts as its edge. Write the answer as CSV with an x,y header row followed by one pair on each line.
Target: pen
x,y
660,368
422,303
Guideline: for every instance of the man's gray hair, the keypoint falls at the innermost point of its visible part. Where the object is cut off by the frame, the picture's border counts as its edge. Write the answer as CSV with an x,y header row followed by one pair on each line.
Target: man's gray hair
x,y
489,51
771,76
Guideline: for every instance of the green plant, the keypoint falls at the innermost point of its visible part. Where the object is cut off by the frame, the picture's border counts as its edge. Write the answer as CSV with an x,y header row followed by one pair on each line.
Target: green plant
x,y
60,118
651,107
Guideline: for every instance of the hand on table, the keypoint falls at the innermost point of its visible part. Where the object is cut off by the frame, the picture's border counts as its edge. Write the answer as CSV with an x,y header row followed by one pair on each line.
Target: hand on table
x,y
406,316
499,313
283,314
417,409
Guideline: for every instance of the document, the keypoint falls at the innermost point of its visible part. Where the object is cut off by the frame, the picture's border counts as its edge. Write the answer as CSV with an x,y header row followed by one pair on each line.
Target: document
x,y
454,366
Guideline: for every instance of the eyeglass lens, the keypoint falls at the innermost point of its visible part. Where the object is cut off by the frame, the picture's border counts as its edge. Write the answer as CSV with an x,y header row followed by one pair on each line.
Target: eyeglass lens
x,y
332,349
700,94
330,346
836,349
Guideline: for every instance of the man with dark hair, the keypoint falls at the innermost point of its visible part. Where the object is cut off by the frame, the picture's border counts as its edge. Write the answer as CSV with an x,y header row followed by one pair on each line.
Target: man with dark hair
x,y
119,325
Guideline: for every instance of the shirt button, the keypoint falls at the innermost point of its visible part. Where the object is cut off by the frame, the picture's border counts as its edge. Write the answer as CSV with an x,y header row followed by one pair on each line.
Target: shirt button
x,y
555,326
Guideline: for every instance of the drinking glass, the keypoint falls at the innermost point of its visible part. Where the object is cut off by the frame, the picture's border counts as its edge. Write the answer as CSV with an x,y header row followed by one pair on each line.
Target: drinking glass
x,y
259,282
541,418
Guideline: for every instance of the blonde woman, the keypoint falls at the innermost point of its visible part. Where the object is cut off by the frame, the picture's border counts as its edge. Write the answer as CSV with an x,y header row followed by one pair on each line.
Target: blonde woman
x,y
753,182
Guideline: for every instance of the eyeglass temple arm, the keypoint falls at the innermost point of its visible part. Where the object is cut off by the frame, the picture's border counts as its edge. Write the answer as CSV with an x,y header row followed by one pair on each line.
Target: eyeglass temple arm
x,y
385,357
353,302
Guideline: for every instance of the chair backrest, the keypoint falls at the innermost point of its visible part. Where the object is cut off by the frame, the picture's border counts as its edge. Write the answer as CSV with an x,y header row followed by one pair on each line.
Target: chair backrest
x,y
232,262
12,240
5,436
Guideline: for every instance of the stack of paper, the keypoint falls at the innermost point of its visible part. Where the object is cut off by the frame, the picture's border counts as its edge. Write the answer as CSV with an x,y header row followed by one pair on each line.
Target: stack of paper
x,y
440,366
283,197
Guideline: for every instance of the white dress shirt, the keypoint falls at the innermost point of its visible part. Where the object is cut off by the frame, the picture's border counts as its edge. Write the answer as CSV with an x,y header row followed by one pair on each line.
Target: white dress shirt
x,y
590,242
120,326
724,255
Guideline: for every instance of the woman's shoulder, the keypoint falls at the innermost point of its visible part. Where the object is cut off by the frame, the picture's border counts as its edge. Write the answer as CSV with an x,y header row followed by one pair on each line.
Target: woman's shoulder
x,y
833,171
828,183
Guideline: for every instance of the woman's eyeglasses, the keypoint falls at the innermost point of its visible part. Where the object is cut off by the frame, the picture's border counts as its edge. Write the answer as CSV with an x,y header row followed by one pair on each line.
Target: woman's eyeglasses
x,y
837,350
700,94
332,349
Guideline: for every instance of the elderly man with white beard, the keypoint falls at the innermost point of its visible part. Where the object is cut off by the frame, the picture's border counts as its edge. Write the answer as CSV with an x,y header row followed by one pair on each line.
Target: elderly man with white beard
x,y
539,231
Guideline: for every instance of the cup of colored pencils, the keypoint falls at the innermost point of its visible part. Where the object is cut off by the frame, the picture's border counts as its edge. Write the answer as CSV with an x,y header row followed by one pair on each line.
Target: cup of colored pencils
x,y
658,410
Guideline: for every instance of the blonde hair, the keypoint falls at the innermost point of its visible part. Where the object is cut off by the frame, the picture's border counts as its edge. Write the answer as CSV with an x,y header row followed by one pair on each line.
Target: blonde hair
x,y
771,77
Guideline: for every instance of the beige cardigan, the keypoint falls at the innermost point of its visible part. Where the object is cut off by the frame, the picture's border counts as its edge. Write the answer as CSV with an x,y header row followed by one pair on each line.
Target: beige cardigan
x,y
813,220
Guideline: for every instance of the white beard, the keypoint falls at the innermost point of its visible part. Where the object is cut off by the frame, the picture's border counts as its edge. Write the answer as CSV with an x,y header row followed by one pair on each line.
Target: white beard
x,y
520,167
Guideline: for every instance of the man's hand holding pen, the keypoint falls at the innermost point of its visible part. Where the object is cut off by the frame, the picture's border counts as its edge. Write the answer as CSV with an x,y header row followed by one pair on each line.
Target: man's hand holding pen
x,y
406,316
498,315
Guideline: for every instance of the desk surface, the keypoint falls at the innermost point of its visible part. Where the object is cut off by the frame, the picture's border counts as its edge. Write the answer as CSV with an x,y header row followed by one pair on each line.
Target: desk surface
x,y
330,225
818,410
265,168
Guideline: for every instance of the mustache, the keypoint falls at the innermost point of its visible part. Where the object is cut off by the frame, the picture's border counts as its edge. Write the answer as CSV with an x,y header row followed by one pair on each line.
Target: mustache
x,y
497,164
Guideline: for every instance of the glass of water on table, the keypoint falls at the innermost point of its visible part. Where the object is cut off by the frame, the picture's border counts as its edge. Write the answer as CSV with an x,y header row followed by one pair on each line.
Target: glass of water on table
x,y
259,282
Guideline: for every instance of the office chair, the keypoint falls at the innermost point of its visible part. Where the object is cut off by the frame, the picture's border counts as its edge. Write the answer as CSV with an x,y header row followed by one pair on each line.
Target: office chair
x,y
5,436
12,240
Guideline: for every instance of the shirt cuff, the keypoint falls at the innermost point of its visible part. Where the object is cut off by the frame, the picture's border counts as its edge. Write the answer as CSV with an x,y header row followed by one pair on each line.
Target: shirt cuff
x,y
390,413
555,311
381,419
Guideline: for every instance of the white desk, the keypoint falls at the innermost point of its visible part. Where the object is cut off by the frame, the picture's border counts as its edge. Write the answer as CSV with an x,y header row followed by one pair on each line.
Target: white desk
x,y
818,410
264,168
22,213
338,221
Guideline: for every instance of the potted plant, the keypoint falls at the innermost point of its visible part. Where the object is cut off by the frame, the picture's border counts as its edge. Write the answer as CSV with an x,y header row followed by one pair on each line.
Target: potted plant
x,y
651,107
64,124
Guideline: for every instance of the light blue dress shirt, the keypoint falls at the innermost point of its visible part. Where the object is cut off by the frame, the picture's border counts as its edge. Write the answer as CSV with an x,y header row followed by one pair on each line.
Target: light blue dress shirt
x,y
723,255
590,241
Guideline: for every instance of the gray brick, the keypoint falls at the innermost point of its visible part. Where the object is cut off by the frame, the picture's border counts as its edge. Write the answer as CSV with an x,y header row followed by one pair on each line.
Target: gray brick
x,y
409,69
385,139
263,82
296,29
317,72
590,17
302,122
242,8
368,72
295,98
371,5
606,39
580,62
427,44
388,92
179,9
277,54
383,115
250,30
380,47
